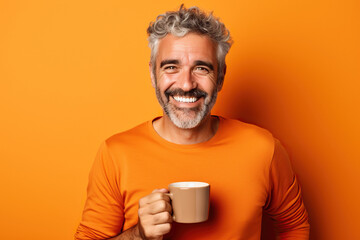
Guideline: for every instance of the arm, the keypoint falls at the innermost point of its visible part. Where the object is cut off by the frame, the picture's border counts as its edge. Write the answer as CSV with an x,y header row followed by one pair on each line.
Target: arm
x,y
284,203
154,218
132,233
103,216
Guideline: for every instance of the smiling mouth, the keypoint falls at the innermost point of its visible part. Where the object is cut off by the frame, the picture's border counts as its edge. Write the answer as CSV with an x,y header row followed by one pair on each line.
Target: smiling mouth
x,y
185,99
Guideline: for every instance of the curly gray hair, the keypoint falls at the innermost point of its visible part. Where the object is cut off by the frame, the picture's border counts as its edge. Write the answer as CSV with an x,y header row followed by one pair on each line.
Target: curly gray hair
x,y
183,21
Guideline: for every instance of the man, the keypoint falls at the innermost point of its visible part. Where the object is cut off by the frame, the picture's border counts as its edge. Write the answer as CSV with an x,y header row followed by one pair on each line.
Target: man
x,y
248,170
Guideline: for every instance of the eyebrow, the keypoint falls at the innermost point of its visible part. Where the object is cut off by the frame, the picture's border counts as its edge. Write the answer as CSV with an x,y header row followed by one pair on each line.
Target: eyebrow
x,y
197,63
170,61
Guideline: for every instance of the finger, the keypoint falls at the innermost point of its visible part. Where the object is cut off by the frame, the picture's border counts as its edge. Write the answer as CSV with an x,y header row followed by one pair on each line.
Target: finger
x,y
161,218
155,207
159,206
153,197
162,229
163,190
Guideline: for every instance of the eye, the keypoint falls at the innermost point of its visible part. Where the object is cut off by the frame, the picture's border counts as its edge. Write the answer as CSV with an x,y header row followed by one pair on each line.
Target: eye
x,y
170,68
201,70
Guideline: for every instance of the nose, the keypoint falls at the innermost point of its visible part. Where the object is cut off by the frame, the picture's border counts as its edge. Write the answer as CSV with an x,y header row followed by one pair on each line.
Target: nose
x,y
186,80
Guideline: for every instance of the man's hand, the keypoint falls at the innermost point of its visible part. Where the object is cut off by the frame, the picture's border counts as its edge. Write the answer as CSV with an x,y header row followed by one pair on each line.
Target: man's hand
x,y
155,215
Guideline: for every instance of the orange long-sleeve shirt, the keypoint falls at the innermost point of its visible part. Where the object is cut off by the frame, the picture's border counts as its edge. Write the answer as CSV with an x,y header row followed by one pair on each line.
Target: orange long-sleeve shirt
x,y
248,171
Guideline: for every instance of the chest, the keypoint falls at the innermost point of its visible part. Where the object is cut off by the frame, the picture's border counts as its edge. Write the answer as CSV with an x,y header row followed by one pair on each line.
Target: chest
x,y
237,178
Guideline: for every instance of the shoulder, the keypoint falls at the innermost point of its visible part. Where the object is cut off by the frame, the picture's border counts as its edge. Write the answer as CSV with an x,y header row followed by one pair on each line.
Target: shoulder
x,y
248,131
253,143
132,136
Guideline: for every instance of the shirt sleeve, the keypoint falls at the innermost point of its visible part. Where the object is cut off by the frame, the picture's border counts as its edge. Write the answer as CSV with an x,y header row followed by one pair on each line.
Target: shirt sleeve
x,y
284,203
103,214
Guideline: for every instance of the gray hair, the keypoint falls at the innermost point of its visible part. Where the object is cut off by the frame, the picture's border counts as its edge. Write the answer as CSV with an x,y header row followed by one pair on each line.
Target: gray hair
x,y
183,21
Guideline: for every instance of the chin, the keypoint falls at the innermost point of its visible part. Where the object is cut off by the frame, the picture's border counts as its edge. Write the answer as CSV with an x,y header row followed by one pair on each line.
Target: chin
x,y
187,123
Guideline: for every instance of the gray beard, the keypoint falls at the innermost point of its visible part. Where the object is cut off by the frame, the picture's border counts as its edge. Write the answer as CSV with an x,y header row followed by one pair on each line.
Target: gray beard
x,y
180,116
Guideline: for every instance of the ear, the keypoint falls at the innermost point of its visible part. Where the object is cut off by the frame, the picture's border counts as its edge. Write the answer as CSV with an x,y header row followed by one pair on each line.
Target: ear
x,y
152,76
221,82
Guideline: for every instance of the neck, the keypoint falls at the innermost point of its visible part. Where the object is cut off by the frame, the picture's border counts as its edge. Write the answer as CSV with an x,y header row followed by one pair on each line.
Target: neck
x,y
202,133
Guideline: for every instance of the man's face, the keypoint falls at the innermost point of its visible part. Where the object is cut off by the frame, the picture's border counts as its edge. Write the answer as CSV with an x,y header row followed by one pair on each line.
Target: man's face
x,y
186,78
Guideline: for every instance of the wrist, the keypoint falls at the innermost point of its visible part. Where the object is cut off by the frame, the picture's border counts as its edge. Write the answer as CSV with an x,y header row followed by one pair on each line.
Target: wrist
x,y
137,232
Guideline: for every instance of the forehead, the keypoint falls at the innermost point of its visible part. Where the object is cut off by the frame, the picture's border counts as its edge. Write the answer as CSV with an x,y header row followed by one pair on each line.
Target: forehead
x,y
189,48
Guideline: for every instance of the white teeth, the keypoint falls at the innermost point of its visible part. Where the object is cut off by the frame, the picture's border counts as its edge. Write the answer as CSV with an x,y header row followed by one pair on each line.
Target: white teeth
x,y
185,99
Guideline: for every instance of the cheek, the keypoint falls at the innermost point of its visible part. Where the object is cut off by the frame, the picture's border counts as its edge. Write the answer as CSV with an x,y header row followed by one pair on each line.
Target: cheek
x,y
208,83
213,80
164,81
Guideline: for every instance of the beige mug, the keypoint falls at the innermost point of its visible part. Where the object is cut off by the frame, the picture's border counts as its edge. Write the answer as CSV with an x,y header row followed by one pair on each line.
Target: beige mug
x,y
190,201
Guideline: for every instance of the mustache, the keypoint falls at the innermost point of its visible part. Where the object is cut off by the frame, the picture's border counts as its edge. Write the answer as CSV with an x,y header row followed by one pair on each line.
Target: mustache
x,y
179,92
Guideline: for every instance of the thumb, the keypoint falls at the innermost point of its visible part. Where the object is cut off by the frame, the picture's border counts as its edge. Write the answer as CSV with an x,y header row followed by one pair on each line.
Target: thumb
x,y
161,190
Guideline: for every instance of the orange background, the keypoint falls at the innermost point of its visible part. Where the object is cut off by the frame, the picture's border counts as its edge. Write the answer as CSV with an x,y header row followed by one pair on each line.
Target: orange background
x,y
73,73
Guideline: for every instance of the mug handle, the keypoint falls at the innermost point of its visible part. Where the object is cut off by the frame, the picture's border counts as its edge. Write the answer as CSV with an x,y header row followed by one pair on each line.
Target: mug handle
x,y
171,197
